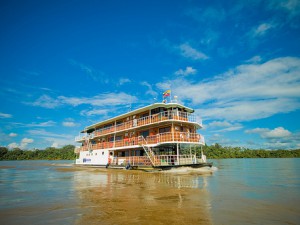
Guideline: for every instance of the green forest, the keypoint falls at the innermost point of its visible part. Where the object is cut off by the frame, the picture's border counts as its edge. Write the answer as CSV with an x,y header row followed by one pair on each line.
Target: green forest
x,y
215,151
66,152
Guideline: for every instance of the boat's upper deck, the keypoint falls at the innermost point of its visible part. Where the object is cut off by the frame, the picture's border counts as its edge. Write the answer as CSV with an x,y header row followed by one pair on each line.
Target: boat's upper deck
x,y
135,114
144,117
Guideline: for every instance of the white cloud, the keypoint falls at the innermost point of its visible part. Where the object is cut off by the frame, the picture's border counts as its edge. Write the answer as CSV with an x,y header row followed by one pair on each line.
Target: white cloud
x,y
22,145
124,81
188,70
262,29
249,110
224,126
13,145
69,124
46,101
49,123
52,139
150,90
5,115
44,133
254,59
55,145
13,134
100,100
219,124
26,141
278,132
93,112
220,139
278,138
291,7
121,98
247,92
188,52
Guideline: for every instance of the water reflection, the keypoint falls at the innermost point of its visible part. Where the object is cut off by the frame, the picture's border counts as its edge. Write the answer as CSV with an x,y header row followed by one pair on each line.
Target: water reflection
x,y
135,197
243,191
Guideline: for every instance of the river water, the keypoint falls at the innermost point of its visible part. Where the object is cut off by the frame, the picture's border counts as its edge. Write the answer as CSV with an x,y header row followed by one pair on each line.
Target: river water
x,y
235,191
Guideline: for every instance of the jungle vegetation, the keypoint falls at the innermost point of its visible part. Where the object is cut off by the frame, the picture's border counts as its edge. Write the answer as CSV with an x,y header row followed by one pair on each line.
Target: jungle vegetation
x,y
215,151
64,153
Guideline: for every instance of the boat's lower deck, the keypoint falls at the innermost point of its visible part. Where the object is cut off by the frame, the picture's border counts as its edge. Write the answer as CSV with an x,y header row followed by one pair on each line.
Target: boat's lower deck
x,y
149,167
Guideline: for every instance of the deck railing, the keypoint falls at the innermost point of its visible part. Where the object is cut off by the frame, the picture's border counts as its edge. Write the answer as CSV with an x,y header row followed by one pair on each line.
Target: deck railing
x,y
161,160
155,118
132,160
180,137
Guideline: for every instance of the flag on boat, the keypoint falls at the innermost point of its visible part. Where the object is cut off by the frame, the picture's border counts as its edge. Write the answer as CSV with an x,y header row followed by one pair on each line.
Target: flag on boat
x,y
167,93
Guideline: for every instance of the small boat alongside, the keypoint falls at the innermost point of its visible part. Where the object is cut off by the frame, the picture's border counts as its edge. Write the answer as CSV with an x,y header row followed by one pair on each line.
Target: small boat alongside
x,y
159,136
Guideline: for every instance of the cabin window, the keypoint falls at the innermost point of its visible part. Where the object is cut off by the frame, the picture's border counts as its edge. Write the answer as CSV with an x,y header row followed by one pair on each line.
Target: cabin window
x,y
111,139
107,126
164,130
137,153
144,133
118,138
145,115
102,153
157,110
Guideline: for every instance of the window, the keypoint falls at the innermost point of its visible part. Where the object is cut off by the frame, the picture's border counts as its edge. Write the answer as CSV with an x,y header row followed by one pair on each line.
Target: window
x,y
164,129
144,133
118,138
145,115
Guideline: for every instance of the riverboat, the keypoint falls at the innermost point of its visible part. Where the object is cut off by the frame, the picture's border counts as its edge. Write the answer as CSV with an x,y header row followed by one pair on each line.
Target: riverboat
x,y
159,136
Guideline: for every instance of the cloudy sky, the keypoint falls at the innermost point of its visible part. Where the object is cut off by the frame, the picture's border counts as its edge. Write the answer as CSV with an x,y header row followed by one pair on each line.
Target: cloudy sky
x,y
67,64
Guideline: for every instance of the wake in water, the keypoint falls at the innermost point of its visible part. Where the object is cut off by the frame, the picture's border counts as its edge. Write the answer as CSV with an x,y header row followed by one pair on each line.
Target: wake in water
x,y
189,170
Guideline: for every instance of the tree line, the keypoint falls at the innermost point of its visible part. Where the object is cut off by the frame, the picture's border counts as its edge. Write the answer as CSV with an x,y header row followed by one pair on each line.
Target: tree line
x,y
51,153
215,151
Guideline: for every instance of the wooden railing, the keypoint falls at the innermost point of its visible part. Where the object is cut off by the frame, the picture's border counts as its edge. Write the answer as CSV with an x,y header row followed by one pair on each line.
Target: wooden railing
x,y
132,160
155,118
180,137
161,160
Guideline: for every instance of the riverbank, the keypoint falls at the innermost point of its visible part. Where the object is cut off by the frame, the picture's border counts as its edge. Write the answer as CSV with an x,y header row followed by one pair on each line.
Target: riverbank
x,y
212,152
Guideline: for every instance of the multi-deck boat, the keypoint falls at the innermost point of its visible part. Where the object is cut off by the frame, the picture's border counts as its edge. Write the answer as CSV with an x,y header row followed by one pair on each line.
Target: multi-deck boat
x,y
161,136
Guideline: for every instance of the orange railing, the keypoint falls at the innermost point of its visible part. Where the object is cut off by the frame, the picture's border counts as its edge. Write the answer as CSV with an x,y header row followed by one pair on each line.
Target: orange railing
x,y
160,160
154,139
132,160
155,118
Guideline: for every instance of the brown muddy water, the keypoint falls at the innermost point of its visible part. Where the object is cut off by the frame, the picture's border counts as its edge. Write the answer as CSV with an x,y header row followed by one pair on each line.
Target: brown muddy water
x,y
239,191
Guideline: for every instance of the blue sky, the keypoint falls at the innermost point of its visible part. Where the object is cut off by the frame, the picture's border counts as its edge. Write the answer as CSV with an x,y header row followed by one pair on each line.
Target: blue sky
x,y
67,64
